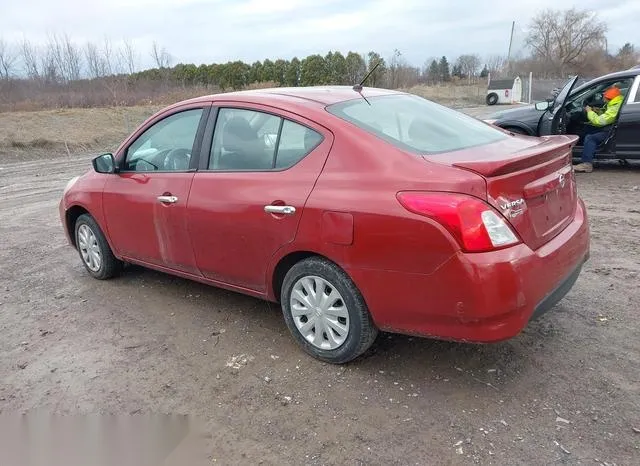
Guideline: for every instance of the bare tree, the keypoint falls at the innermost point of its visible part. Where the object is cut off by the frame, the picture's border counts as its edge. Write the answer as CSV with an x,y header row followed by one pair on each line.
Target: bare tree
x,y
395,62
72,59
30,59
129,56
496,65
63,55
112,64
595,62
399,73
95,63
108,57
627,56
160,56
51,61
562,38
7,59
469,65
104,65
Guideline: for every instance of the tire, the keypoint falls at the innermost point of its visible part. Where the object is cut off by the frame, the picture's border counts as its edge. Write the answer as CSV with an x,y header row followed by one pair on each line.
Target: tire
x,y
492,98
347,310
100,261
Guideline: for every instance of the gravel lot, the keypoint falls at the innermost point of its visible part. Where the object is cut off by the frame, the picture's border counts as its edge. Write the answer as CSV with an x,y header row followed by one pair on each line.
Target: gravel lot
x,y
566,391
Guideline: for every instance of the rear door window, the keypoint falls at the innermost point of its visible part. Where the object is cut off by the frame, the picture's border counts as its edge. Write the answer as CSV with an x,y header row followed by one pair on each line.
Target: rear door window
x,y
296,141
257,141
239,140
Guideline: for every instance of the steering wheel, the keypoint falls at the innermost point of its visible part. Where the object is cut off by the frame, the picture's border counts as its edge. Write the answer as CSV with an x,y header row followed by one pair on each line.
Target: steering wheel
x,y
575,113
177,159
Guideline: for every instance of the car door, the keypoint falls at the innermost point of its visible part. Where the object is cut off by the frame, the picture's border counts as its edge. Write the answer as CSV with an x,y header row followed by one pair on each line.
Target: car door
x,y
628,130
247,198
145,201
553,119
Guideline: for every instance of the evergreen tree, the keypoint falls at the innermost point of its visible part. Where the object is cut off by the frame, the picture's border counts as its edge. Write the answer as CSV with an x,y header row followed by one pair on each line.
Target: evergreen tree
x,y
377,77
356,68
292,76
443,68
313,71
434,73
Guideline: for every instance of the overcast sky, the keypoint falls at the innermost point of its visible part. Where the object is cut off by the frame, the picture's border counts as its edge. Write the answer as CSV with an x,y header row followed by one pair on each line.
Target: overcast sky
x,y
208,31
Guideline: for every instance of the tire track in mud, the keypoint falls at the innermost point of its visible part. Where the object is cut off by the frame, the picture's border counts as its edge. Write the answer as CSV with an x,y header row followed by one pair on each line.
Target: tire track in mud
x,y
148,342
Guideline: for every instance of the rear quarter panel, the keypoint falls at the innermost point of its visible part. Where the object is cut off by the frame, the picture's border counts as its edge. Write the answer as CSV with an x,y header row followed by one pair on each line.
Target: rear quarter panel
x,y
360,181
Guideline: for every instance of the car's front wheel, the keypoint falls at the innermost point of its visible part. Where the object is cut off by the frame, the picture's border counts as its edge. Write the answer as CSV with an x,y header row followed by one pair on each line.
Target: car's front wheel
x,y
94,249
325,311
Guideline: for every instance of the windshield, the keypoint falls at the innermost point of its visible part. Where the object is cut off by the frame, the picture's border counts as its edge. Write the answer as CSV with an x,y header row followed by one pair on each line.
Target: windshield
x,y
415,124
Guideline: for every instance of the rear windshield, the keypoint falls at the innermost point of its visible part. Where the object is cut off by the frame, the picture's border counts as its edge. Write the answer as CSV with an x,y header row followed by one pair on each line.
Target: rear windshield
x,y
415,124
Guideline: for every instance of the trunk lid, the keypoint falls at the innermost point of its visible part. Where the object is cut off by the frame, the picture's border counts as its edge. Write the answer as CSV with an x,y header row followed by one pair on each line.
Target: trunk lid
x,y
529,180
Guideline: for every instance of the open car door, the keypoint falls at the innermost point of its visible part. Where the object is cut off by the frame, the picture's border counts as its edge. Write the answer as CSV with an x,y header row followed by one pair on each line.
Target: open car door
x,y
553,121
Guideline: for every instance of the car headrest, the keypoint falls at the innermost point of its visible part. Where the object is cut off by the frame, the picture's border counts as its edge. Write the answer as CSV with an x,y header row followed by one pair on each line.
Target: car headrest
x,y
177,160
237,132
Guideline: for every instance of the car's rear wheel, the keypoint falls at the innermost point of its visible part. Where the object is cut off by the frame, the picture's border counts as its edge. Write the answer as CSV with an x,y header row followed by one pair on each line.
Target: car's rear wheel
x,y
94,250
325,311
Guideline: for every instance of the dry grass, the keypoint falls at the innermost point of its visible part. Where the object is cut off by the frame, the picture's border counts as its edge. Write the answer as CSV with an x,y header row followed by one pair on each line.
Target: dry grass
x,y
29,96
73,131
456,96
67,131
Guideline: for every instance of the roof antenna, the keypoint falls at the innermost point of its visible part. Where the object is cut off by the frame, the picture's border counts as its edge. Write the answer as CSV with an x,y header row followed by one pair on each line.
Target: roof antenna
x,y
358,87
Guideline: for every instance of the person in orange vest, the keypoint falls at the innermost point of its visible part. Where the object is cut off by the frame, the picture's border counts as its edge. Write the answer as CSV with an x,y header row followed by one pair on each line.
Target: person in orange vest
x,y
601,121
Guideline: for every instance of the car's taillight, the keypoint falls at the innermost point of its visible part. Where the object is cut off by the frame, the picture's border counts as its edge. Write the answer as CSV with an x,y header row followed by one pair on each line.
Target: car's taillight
x,y
475,224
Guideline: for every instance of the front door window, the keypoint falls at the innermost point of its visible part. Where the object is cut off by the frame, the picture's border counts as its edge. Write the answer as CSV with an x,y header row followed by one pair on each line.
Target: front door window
x,y
165,146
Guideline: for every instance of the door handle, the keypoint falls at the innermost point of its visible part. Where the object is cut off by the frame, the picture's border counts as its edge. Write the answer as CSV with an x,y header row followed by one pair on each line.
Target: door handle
x,y
280,209
168,199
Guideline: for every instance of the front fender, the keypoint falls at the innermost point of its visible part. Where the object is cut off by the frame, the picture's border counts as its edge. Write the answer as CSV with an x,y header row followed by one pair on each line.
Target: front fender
x,y
516,124
85,194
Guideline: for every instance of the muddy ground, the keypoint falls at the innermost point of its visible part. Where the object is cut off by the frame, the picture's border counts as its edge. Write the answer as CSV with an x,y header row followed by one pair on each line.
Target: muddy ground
x,y
566,391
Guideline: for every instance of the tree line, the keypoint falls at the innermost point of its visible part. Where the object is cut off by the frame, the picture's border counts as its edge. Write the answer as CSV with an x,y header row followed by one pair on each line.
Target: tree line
x,y
316,69
60,60
559,42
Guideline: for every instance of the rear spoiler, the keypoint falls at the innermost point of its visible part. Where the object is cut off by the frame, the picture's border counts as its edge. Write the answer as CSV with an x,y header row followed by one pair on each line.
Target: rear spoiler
x,y
552,147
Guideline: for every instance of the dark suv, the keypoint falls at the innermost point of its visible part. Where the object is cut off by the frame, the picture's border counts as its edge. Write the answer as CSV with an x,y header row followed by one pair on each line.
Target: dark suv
x,y
564,114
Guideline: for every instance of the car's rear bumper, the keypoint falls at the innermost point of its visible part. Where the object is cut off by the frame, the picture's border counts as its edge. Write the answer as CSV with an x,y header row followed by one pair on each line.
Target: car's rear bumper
x,y
483,297
561,290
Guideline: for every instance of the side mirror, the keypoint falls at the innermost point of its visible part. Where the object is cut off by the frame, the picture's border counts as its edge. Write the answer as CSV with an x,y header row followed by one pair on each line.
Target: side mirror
x,y
104,163
542,106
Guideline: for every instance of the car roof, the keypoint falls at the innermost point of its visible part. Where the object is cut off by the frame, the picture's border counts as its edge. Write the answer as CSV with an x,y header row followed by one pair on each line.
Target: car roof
x,y
630,73
315,96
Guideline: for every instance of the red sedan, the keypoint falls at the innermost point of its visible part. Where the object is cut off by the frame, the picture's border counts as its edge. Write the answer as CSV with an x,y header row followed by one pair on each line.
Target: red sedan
x,y
357,211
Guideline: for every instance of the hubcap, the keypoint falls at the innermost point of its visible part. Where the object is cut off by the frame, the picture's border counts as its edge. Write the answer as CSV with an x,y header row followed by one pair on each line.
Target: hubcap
x,y
319,312
89,248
